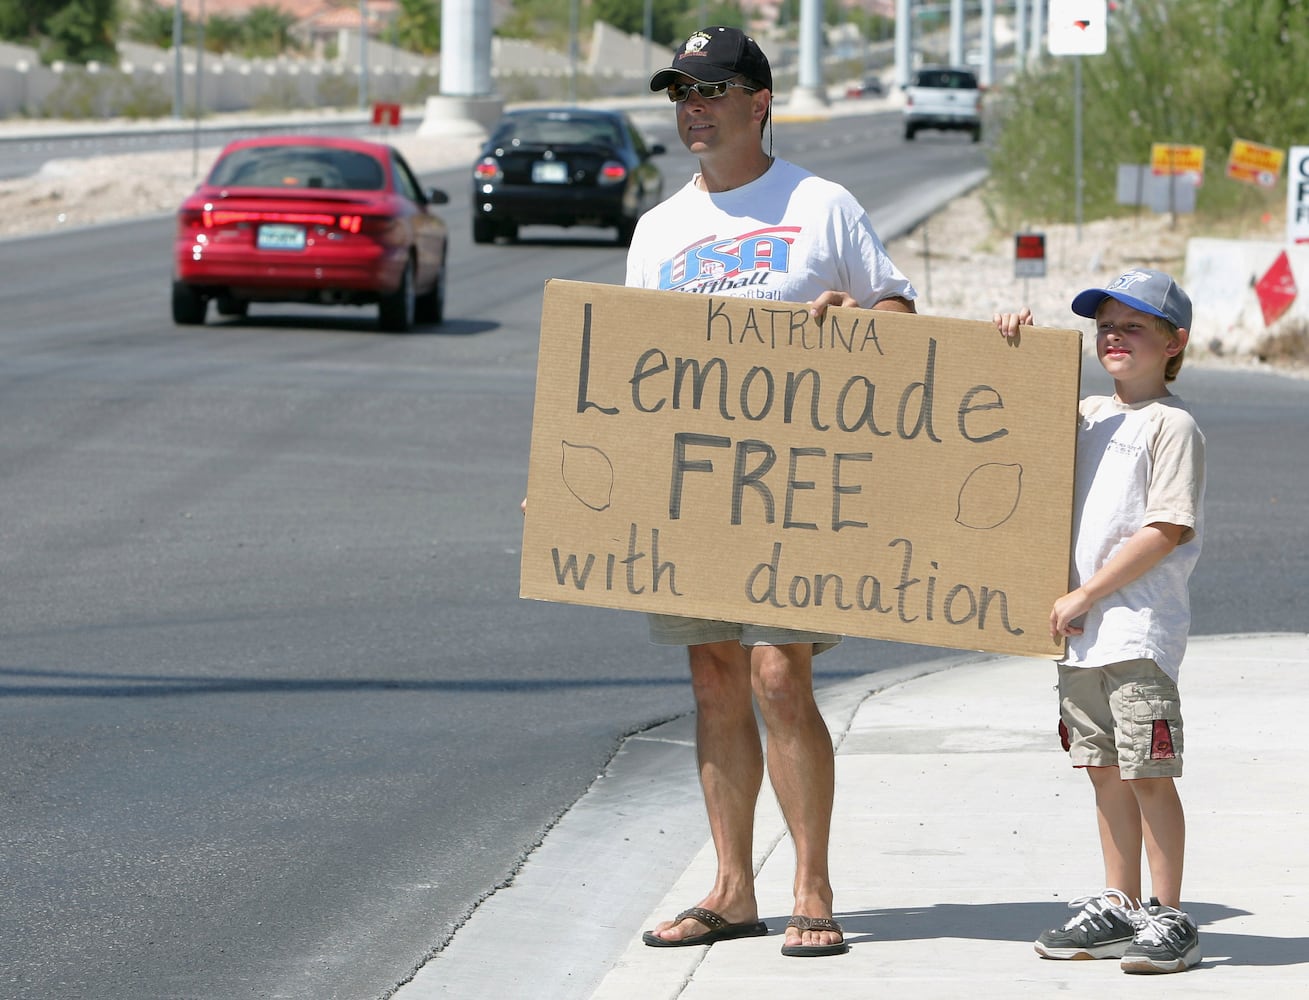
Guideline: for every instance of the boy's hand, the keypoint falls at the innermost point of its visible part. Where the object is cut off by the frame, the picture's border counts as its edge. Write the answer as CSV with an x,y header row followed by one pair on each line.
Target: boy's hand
x,y
1066,610
1008,323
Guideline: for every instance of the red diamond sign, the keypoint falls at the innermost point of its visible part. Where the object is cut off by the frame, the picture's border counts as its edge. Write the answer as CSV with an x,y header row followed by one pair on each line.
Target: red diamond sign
x,y
1276,289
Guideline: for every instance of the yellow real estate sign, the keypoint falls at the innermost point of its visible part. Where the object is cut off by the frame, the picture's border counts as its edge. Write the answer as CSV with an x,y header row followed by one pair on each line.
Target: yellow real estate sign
x,y
1254,163
1169,158
878,474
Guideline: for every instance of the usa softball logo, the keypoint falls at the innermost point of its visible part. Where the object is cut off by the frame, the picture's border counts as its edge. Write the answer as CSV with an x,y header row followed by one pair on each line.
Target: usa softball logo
x,y
695,43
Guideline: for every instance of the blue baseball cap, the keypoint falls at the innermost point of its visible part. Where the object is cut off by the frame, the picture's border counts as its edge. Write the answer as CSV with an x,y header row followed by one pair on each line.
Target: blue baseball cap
x,y
1149,291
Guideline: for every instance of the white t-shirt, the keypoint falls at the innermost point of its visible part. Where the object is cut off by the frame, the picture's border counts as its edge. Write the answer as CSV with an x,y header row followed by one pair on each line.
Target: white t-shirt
x,y
787,236
1136,465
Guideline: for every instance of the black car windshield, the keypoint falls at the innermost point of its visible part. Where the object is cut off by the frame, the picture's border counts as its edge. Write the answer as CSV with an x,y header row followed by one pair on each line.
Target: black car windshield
x,y
298,166
556,130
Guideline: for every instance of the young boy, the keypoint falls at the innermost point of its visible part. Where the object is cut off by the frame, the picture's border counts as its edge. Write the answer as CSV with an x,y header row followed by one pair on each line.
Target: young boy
x,y
1137,531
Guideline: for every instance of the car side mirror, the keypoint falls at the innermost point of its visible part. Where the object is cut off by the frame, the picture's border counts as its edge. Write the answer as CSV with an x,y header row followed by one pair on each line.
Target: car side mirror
x,y
435,196
657,149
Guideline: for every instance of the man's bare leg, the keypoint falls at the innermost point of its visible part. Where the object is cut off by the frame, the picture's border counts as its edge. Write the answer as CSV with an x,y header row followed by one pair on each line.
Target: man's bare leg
x,y
802,769
731,774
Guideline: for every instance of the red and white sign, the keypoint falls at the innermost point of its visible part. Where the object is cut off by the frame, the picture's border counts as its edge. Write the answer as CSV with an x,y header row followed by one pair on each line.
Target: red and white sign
x,y
385,113
1029,255
1077,28
1276,289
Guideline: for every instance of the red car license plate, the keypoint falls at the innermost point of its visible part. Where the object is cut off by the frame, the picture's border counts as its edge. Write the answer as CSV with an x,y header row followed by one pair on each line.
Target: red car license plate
x,y
280,236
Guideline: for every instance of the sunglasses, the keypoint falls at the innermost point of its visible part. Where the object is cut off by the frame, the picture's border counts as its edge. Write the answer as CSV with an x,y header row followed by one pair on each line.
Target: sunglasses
x,y
679,92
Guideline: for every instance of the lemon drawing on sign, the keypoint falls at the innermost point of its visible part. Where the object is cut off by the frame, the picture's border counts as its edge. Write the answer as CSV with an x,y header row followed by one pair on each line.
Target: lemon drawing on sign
x,y
588,474
989,496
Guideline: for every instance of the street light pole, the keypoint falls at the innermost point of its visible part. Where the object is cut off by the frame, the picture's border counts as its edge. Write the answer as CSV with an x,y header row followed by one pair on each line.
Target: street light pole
x,y
177,58
572,51
199,71
647,23
363,55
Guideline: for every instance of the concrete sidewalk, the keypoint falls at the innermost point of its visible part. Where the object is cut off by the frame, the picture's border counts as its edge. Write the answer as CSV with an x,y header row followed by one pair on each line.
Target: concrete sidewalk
x,y
960,832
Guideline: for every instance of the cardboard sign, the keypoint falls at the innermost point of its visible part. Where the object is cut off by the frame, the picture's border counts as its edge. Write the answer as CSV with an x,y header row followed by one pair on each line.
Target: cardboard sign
x,y
879,474
1252,163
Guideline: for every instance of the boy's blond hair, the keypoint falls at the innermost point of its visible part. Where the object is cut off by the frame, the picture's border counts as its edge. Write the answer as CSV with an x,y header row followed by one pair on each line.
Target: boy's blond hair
x,y
1174,364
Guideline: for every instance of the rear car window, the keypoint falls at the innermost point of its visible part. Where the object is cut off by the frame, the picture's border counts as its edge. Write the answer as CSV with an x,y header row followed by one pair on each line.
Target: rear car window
x,y
557,129
299,167
946,79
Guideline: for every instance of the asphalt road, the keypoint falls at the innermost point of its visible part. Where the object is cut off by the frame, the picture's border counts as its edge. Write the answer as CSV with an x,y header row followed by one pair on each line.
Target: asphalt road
x,y
272,717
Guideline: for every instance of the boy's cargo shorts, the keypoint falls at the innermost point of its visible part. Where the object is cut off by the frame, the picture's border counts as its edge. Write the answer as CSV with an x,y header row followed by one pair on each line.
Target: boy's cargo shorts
x,y
1126,715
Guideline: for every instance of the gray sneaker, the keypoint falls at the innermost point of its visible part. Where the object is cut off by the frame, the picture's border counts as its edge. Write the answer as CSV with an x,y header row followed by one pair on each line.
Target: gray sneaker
x,y
1166,941
1102,928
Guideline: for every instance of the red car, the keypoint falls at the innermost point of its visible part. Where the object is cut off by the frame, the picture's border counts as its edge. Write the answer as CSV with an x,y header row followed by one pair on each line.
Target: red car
x,y
311,219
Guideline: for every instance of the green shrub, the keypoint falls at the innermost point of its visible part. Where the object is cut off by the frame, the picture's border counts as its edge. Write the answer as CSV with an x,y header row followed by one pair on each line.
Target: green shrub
x,y
1190,72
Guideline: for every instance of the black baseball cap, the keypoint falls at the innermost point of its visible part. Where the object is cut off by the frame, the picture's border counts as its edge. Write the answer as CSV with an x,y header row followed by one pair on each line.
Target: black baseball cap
x,y
715,54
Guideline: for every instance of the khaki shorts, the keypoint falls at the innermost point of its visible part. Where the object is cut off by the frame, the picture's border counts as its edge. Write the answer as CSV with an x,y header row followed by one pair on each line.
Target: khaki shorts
x,y
674,630
1125,715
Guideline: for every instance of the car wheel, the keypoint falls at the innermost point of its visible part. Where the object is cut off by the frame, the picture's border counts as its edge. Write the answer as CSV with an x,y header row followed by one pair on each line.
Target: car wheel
x,y
509,230
189,306
231,306
395,311
430,306
483,229
626,227
909,133
977,133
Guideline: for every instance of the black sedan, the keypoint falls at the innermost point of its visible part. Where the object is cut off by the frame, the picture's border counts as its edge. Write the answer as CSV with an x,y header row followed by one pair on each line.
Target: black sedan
x,y
564,167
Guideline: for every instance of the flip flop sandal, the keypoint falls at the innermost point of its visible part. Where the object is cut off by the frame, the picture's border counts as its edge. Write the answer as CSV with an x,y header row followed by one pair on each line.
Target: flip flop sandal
x,y
803,924
719,930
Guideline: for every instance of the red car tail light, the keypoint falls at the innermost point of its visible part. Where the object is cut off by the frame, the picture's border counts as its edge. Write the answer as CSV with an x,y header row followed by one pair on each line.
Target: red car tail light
x,y
209,217
214,217
487,171
188,219
612,172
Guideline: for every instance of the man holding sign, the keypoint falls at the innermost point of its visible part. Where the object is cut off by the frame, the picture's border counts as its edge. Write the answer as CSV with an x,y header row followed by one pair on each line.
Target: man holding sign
x,y
753,226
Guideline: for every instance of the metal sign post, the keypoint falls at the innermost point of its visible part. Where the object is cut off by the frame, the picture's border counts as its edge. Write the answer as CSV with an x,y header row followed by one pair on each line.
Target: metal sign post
x,y
1078,28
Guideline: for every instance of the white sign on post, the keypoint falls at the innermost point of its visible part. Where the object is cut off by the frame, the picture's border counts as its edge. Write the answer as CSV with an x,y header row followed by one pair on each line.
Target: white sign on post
x,y
1078,28
1297,195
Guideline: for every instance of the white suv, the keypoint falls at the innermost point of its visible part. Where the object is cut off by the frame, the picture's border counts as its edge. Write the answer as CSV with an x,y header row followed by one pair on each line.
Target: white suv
x,y
943,97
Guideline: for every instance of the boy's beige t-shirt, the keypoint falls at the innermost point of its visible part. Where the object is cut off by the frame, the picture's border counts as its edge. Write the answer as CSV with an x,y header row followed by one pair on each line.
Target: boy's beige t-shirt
x,y
1137,464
